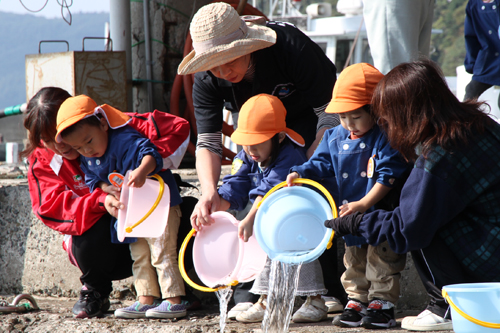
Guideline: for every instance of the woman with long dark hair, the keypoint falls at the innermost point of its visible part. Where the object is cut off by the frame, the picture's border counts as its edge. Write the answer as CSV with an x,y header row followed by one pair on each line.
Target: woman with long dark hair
x,y
449,216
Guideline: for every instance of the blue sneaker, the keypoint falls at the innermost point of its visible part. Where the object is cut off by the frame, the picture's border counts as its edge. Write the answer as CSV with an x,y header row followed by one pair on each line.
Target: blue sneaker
x,y
167,310
136,310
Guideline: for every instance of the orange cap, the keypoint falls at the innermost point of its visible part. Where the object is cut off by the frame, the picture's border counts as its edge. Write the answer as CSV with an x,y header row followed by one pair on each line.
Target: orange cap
x,y
354,88
79,107
262,117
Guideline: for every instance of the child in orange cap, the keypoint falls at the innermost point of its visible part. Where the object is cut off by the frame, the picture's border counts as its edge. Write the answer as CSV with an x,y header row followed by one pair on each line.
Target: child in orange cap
x,y
269,150
107,145
359,155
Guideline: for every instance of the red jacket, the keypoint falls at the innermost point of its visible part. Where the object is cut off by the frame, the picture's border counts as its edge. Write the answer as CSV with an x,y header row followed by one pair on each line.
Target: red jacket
x,y
59,196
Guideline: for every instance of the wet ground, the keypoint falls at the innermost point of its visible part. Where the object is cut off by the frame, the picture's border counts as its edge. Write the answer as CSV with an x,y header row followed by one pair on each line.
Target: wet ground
x,y
55,316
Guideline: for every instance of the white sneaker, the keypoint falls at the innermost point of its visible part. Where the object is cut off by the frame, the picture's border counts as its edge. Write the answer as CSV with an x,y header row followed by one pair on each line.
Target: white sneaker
x,y
333,304
240,307
255,314
313,310
426,321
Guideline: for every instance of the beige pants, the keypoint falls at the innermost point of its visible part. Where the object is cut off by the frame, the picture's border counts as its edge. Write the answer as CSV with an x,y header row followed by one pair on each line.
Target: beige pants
x,y
155,268
372,272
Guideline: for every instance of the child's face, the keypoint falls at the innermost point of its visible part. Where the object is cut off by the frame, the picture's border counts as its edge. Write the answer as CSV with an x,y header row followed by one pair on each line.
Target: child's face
x,y
358,121
260,152
88,140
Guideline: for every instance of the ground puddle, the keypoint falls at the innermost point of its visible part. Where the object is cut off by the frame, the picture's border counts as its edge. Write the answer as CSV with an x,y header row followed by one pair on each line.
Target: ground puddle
x,y
224,295
283,283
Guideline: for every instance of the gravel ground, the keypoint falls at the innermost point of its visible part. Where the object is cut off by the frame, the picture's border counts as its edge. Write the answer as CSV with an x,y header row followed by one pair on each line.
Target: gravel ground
x,y
55,316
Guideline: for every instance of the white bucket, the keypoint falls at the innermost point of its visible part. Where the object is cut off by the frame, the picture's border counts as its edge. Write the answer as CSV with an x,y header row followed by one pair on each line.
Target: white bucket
x,y
11,153
138,202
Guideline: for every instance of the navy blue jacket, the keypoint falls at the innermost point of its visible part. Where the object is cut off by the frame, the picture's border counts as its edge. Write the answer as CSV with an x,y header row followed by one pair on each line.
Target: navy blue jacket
x,y
482,41
453,196
247,180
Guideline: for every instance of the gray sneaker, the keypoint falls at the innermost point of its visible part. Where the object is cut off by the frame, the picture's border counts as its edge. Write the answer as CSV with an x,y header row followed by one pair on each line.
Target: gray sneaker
x,y
136,310
167,310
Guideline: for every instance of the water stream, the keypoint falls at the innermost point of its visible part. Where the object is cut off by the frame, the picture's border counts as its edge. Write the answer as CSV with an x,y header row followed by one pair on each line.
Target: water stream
x,y
224,295
283,282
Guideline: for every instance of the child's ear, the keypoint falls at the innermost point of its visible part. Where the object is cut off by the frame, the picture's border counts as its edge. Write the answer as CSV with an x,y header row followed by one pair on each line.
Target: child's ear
x,y
104,124
282,136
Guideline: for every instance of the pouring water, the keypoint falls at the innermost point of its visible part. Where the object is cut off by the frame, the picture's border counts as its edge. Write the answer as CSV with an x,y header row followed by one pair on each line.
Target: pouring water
x,y
283,283
224,295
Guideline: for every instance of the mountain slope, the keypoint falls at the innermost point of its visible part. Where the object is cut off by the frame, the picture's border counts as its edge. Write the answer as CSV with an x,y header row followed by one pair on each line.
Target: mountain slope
x,y
20,35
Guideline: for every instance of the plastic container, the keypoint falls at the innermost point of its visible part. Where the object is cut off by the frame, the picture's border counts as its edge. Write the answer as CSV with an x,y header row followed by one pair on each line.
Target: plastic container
x,y
220,257
138,202
289,224
474,305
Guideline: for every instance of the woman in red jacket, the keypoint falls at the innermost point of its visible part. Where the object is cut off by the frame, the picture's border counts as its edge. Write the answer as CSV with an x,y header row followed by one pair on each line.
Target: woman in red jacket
x,y
62,201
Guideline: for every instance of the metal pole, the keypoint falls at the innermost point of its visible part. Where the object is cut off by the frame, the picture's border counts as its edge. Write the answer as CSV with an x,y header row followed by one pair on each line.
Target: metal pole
x,y
149,64
119,21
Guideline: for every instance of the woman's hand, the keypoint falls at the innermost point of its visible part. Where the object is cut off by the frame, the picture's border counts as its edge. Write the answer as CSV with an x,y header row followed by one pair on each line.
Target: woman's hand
x,y
208,203
245,229
112,205
291,177
347,225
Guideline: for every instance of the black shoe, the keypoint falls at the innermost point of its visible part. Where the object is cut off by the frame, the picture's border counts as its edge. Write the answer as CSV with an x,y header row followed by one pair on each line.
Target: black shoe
x,y
352,316
191,302
80,304
90,305
380,314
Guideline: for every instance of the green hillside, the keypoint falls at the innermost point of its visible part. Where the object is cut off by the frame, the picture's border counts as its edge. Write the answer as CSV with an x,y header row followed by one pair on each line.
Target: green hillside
x,y
20,35
449,47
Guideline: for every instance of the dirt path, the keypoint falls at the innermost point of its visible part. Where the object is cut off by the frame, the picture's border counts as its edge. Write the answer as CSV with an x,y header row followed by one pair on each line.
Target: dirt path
x,y
55,316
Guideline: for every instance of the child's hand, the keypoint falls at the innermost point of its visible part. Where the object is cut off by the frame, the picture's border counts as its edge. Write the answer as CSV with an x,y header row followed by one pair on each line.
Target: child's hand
x,y
137,178
291,177
245,229
113,190
352,207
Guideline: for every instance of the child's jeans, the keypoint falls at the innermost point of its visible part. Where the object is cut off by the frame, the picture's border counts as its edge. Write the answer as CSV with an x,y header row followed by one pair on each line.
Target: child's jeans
x,y
372,272
156,270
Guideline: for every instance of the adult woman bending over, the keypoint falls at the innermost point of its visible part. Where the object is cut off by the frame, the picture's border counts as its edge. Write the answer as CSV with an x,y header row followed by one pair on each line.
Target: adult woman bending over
x,y
449,213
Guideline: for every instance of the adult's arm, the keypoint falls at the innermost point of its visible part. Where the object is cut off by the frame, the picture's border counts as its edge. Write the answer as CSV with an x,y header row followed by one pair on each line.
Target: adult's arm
x,y
208,104
427,203
208,167
57,206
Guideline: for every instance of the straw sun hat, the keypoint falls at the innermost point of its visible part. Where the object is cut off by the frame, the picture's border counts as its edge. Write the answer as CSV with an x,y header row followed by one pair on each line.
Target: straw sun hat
x,y
220,36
